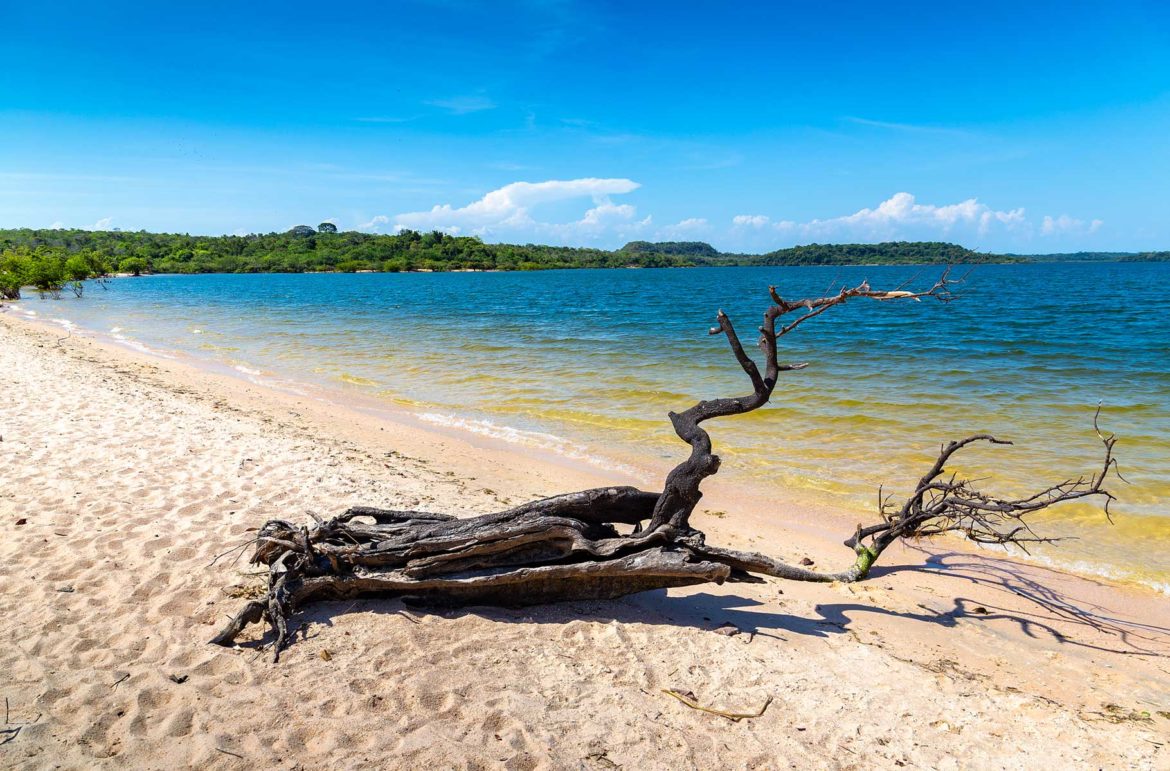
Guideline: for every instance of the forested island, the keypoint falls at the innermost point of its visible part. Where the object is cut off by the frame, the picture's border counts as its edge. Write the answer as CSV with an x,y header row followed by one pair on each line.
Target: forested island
x,y
52,259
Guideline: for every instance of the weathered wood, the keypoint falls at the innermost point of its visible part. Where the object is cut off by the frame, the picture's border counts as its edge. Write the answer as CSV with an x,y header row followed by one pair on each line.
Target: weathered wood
x,y
568,548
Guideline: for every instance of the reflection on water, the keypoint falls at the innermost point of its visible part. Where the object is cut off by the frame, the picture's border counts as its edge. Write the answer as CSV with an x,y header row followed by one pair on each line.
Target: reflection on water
x,y
588,363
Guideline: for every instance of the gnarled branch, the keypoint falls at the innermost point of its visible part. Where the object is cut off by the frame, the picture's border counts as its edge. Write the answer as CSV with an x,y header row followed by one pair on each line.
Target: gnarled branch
x,y
567,547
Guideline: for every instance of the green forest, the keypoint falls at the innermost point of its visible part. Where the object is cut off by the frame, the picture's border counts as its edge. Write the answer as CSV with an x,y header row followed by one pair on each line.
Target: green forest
x,y
52,261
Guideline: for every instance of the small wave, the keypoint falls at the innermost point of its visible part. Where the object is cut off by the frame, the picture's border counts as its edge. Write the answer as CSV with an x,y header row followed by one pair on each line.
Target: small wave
x,y
268,380
1084,568
345,377
1080,567
121,339
535,439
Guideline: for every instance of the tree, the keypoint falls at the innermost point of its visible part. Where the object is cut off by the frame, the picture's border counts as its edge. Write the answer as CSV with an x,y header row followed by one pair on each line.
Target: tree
x,y
14,268
133,265
568,547
326,227
46,272
77,268
302,231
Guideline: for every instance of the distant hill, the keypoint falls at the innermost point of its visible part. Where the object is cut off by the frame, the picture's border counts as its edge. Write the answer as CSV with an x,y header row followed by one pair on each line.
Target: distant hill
x,y
675,248
889,253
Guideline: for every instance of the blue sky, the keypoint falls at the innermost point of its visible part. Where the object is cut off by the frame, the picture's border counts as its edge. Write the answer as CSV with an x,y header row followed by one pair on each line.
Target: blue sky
x,y
1022,126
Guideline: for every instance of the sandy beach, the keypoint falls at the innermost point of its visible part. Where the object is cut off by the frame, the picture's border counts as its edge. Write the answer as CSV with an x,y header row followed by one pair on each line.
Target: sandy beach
x,y
123,478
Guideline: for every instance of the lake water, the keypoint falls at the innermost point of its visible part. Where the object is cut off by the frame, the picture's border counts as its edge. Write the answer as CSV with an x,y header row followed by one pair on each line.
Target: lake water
x,y
587,364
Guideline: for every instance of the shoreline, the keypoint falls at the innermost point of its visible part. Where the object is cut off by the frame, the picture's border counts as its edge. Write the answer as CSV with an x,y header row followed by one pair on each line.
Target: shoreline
x,y
133,473
811,510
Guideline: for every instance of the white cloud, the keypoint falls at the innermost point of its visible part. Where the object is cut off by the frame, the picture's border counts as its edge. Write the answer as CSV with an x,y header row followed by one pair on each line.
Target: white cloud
x,y
901,216
691,227
901,211
1065,224
58,225
375,223
604,221
462,105
756,221
508,211
608,212
102,224
548,212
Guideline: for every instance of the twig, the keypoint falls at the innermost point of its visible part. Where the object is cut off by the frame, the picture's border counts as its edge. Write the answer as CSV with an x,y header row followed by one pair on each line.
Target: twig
x,y
12,734
229,752
734,717
221,555
121,680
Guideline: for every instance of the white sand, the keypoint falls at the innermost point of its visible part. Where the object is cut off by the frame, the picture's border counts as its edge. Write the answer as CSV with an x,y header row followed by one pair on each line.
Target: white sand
x,y
133,474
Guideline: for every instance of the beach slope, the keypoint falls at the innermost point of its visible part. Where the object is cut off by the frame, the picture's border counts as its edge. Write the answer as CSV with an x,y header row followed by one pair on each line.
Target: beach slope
x,y
125,481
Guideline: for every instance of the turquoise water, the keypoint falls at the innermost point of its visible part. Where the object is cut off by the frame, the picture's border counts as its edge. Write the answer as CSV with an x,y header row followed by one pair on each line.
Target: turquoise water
x,y
587,363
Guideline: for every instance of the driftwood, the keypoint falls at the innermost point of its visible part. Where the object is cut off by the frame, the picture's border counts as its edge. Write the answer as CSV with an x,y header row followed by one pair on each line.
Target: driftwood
x,y
569,547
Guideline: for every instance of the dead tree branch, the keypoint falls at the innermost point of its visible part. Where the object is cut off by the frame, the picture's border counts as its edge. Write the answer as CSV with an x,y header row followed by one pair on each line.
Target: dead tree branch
x,y
568,548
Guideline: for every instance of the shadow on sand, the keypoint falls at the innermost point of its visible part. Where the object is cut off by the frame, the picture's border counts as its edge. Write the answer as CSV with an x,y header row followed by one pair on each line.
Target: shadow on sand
x,y
1039,611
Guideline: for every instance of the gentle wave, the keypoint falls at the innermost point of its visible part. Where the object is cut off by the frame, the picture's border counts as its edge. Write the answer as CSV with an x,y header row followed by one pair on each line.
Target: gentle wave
x,y
533,439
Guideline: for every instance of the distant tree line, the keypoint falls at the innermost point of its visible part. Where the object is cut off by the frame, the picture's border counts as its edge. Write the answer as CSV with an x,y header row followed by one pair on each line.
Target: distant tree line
x,y
53,260
695,249
305,249
889,253
1096,257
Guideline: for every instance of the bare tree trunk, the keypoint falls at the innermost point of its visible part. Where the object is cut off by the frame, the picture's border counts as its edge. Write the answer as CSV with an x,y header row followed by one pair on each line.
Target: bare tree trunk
x,y
567,548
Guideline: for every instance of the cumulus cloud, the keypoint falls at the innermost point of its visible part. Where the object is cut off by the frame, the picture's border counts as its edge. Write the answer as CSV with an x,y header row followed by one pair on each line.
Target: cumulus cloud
x,y
509,211
901,216
1065,224
756,221
602,222
102,224
375,224
581,212
691,227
